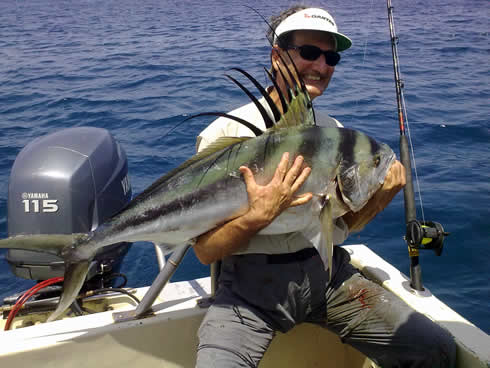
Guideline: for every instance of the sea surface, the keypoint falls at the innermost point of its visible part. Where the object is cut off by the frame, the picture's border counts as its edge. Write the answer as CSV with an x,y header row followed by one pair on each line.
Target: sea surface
x,y
138,68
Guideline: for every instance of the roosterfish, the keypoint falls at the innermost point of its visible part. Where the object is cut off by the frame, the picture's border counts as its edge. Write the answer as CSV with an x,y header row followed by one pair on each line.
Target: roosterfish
x,y
347,168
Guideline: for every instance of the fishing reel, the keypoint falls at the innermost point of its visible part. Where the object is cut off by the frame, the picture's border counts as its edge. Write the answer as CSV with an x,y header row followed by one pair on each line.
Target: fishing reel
x,y
425,235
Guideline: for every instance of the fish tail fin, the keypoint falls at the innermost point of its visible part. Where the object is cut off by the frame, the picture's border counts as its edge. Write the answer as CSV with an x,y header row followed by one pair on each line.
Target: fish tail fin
x,y
75,274
48,243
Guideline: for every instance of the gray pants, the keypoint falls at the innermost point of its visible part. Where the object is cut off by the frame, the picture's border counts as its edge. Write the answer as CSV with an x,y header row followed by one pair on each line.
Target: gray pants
x,y
257,297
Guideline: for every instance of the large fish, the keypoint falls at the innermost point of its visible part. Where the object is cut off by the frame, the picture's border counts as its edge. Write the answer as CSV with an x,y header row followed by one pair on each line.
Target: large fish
x,y
347,166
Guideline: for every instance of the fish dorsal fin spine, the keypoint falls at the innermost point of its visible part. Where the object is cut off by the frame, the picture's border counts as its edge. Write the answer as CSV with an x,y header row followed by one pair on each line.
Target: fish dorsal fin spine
x,y
275,111
299,113
257,131
297,106
282,100
267,119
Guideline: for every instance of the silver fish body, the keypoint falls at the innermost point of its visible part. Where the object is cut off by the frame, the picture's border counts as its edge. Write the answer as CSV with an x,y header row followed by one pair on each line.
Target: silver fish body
x,y
211,191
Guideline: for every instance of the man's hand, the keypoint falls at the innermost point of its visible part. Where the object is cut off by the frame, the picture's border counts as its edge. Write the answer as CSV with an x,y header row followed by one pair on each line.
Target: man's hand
x,y
394,181
268,201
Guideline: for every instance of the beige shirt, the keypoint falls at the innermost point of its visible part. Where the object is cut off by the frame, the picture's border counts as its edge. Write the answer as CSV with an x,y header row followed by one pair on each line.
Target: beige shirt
x,y
271,244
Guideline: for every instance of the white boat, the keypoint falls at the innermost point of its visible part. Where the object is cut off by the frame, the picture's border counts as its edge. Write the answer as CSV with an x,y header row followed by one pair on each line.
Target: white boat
x,y
167,337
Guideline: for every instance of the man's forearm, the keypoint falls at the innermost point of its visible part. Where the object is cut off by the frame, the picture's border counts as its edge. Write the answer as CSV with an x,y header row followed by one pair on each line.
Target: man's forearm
x,y
394,182
357,220
225,240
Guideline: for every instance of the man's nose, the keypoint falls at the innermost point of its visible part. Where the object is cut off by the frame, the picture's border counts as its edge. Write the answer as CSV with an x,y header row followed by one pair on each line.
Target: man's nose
x,y
321,64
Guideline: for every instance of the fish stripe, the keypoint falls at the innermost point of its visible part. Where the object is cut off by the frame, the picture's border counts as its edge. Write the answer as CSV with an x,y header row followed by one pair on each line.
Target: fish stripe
x,y
374,146
314,145
347,145
152,214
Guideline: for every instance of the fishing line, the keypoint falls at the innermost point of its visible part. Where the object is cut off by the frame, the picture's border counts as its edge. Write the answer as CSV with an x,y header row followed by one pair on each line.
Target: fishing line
x,y
370,18
364,54
407,124
412,153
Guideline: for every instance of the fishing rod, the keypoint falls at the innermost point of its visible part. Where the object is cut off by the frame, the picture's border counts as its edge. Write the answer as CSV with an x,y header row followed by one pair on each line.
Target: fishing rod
x,y
419,234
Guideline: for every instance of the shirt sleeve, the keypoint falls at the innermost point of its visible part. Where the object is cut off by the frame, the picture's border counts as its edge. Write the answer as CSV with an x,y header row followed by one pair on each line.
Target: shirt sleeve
x,y
327,121
210,134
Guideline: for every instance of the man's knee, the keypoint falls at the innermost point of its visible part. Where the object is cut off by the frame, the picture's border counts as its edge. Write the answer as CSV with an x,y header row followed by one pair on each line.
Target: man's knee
x,y
232,336
222,357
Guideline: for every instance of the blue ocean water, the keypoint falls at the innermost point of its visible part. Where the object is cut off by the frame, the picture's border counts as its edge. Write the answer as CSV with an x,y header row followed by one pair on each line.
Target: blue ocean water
x,y
138,68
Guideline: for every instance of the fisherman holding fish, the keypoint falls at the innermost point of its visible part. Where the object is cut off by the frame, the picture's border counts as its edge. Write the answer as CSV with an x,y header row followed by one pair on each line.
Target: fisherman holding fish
x,y
271,283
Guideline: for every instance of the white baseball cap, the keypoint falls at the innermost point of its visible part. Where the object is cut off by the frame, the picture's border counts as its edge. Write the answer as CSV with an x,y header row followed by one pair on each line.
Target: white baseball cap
x,y
313,19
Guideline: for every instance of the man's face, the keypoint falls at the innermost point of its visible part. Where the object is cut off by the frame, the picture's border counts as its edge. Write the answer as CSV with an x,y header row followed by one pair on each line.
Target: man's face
x,y
316,74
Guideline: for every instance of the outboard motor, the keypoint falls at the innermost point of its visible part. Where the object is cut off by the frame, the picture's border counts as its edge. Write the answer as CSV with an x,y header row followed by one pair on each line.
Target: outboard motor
x,y
67,182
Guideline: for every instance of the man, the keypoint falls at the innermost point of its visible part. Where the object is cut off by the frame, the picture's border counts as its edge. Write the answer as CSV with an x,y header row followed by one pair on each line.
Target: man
x,y
271,283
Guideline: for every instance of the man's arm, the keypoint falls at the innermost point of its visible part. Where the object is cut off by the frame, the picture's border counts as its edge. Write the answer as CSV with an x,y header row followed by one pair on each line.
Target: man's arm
x,y
395,180
265,204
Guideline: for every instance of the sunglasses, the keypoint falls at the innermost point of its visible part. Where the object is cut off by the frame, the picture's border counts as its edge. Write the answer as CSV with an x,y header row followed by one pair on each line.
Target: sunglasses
x,y
311,53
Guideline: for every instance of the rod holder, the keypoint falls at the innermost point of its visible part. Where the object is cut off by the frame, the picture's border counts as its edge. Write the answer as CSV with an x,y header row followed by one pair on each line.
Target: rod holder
x,y
156,288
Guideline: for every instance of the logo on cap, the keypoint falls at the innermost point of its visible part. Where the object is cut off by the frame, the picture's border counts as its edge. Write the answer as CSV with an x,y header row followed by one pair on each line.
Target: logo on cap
x,y
321,17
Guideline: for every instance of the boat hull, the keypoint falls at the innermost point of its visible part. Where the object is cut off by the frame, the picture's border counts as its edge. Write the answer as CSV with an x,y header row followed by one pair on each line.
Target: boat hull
x,y
168,338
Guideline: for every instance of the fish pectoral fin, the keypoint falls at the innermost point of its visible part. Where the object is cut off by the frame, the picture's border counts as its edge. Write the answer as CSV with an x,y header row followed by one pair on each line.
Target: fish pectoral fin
x,y
75,274
326,221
